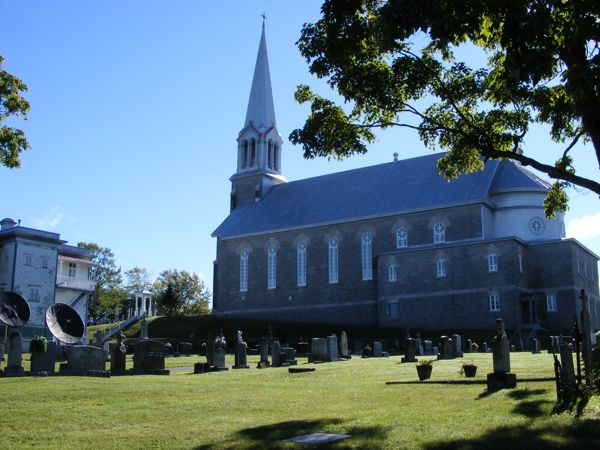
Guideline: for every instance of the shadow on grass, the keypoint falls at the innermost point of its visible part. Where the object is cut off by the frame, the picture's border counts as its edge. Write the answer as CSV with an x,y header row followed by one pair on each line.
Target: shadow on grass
x,y
578,434
273,436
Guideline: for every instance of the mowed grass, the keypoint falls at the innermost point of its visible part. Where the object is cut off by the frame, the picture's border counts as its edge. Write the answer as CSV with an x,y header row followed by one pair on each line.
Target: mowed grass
x,y
256,409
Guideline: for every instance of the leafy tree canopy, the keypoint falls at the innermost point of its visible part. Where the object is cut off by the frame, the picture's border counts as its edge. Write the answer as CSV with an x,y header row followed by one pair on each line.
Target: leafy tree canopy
x,y
108,292
12,140
543,66
138,279
181,292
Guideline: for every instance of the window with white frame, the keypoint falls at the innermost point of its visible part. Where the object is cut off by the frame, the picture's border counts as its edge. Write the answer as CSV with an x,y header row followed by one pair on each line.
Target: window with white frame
x,y
367,256
492,262
439,233
494,301
402,238
441,267
91,273
301,263
392,274
72,270
271,268
244,271
333,260
551,304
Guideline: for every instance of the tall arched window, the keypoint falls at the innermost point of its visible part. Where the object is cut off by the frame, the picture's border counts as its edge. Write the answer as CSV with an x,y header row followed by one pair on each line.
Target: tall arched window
x,y
367,256
276,157
301,264
245,155
270,154
333,260
244,271
402,238
252,153
271,268
439,233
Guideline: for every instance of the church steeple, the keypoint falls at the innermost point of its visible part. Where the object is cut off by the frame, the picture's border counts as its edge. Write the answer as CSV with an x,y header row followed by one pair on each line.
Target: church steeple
x,y
259,141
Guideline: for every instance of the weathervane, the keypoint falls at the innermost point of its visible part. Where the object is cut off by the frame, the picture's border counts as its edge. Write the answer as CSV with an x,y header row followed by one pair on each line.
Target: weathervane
x,y
264,18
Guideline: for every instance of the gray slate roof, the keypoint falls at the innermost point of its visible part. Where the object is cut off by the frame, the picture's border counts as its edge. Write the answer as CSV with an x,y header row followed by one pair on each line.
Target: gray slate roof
x,y
397,187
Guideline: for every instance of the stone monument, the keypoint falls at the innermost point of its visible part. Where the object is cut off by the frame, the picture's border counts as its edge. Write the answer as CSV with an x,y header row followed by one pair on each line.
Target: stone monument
x,y
447,348
118,357
457,346
377,350
276,354
411,349
44,362
149,358
85,360
144,329
15,355
501,377
264,354
344,346
220,346
318,350
332,348
241,353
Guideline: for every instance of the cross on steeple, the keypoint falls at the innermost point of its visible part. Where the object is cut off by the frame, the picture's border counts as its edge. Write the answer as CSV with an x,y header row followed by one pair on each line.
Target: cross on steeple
x,y
264,18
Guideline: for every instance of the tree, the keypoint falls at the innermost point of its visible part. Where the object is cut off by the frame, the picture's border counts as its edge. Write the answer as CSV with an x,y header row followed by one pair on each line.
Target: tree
x,y
138,279
543,66
108,291
12,140
181,292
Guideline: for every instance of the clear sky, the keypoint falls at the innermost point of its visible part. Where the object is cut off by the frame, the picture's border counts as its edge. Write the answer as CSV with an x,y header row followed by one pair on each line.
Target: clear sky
x,y
135,108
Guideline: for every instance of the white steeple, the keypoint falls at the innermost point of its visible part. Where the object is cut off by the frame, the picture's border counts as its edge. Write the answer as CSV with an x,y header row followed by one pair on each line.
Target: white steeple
x,y
261,112
259,142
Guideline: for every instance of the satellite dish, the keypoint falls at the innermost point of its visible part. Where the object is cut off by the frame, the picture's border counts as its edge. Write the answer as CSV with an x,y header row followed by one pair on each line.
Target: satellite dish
x,y
14,309
64,323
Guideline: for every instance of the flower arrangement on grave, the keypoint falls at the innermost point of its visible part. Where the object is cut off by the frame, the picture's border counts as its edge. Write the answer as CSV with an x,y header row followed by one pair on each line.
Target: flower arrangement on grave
x,y
425,363
424,368
468,369
474,347
38,344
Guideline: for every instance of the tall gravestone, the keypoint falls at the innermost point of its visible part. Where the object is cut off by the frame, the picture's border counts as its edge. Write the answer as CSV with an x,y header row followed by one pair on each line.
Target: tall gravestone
x,y
318,350
567,372
377,349
276,354
220,346
586,330
411,350
241,353
419,345
469,346
210,350
457,346
118,357
332,348
428,347
447,350
501,377
44,362
344,346
264,354
144,329
15,355
535,345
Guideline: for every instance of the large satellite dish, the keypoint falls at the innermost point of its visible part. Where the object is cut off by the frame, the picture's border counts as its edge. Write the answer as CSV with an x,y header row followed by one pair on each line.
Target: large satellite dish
x,y
14,309
64,323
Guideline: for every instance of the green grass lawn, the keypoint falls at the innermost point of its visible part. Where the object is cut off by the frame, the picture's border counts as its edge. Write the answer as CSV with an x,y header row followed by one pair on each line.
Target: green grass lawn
x,y
256,409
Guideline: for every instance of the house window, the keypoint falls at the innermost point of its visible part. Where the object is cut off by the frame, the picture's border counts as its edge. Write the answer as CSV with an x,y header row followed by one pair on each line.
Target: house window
x,y
91,274
333,260
27,260
72,270
392,274
494,302
402,238
271,268
44,263
34,295
244,271
439,233
301,263
493,263
393,310
521,263
441,267
551,304
367,256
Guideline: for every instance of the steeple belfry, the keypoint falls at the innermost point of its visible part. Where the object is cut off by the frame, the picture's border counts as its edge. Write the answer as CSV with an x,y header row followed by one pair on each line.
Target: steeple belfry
x,y
259,141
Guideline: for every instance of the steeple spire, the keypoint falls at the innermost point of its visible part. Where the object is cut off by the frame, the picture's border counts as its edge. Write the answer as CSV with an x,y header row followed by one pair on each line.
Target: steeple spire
x,y
261,112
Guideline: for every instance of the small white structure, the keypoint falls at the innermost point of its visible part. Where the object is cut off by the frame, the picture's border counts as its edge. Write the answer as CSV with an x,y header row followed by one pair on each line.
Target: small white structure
x,y
143,304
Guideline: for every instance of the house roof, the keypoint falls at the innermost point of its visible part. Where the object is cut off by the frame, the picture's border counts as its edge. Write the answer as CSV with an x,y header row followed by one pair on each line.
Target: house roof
x,y
391,188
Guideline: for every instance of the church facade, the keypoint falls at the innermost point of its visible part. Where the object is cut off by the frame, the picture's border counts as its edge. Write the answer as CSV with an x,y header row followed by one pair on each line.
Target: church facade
x,y
392,245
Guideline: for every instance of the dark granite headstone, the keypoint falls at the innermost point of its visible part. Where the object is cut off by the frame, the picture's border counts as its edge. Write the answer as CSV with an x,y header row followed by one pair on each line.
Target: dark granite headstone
x,y
15,355
149,357
185,348
44,362
118,357
410,351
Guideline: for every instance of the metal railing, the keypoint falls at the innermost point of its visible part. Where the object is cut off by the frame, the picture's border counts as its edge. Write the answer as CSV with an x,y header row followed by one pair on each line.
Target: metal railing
x,y
65,281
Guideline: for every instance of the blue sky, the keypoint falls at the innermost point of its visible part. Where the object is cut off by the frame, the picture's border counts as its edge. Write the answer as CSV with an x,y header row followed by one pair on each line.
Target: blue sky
x,y
135,108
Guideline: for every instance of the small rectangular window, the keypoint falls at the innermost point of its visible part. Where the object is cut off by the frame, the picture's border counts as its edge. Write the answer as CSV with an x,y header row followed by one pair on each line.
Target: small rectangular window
x,y
392,275
44,262
492,263
494,302
551,304
27,260
34,295
521,263
441,267
72,270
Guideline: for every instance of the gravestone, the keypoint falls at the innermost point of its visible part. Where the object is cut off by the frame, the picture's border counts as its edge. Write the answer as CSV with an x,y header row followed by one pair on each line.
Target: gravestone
x,y
290,356
567,371
447,350
241,353
427,347
210,350
168,349
411,350
344,346
457,346
435,351
220,345
44,362
332,348
484,347
535,346
469,346
85,360
185,348
377,349
276,354
144,329
367,352
501,377
149,358
512,348
318,350
358,347
419,344
264,354
98,337
118,357
15,355
302,347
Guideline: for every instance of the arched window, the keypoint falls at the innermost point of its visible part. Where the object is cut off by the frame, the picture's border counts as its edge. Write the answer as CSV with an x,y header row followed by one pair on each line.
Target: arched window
x,y
252,153
439,233
367,256
270,154
276,157
301,263
333,260
271,268
402,238
245,155
244,271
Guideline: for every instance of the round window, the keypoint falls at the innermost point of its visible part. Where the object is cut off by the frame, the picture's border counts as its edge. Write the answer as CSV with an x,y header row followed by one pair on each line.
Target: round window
x,y
536,225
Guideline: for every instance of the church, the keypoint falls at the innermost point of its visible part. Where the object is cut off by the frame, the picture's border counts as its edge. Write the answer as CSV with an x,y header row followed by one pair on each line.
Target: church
x,y
392,245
